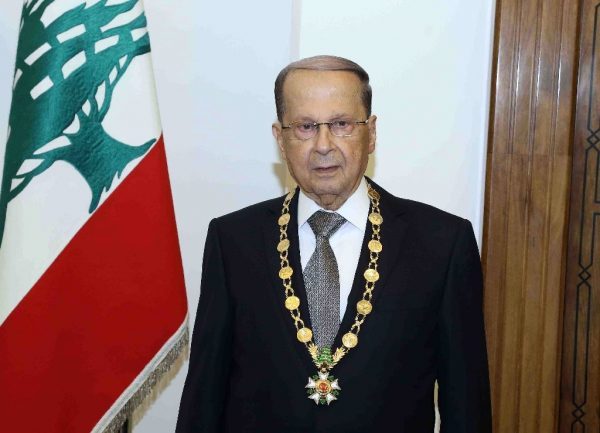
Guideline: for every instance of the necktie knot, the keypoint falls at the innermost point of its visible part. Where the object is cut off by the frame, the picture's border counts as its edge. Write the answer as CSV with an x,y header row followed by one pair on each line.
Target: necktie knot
x,y
325,224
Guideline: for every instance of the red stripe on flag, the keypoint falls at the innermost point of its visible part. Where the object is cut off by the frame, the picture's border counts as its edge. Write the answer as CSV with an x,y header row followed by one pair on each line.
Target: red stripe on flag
x,y
99,314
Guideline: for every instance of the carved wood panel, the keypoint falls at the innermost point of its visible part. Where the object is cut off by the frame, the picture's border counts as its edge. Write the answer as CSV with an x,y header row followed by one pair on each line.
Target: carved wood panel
x,y
580,392
526,208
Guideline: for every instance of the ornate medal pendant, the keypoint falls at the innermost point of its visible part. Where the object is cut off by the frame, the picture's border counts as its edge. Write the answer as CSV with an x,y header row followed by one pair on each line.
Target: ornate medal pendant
x,y
323,388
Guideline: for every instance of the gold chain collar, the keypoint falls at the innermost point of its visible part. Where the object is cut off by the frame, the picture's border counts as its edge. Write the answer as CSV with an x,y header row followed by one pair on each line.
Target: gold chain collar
x,y
322,357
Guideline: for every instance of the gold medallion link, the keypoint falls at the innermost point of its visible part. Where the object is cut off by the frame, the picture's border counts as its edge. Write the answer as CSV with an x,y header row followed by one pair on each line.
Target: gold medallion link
x,y
284,219
286,273
350,340
375,218
371,275
364,307
373,194
304,335
374,246
292,302
283,245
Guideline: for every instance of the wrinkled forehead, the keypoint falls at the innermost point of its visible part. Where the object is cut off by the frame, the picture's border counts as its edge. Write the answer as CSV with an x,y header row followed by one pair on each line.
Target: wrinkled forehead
x,y
305,90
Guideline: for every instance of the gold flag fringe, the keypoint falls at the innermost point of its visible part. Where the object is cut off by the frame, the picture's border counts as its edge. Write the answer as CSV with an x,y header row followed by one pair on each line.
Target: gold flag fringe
x,y
157,380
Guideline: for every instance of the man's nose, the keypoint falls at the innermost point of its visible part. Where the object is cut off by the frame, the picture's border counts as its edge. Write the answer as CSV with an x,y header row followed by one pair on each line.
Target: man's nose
x,y
323,139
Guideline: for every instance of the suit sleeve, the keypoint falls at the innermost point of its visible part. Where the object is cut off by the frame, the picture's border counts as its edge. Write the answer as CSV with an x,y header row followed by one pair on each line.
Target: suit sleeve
x,y
464,391
207,382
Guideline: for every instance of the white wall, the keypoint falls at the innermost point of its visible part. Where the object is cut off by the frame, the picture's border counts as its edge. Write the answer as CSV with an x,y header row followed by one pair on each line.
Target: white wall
x,y
215,63
429,63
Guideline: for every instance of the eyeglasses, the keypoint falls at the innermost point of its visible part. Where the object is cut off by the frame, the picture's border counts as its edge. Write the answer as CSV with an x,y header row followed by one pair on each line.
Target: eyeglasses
x,y
304,130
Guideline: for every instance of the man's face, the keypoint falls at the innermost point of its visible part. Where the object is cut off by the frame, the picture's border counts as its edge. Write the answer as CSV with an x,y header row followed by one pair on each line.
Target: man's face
x,y
327,168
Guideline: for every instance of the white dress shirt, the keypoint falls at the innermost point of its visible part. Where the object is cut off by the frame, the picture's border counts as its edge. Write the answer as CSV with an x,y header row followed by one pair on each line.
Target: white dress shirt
x,y
346,242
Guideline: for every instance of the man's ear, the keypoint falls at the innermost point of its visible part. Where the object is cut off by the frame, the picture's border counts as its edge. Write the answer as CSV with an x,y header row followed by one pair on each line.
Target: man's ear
x,y
372,133
277,134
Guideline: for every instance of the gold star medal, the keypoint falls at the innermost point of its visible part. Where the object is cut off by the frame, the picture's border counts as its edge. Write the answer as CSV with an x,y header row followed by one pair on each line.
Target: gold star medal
x,y
323,388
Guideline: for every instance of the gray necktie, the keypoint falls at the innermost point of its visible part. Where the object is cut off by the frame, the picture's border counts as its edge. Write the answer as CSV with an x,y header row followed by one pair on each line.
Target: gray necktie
x,y
322,279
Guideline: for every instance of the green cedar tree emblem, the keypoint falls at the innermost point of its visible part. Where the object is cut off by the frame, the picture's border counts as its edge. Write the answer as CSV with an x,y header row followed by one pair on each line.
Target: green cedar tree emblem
x,y
325,356
47,100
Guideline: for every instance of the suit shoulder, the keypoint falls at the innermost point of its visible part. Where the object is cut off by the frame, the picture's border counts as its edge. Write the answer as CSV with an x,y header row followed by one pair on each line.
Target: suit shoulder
x,y
429,222
421,213
436,230
428,212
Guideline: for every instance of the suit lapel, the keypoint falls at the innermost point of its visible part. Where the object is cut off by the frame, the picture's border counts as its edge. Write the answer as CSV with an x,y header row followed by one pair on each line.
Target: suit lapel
x,y
294,258
271,234
392,233
358,286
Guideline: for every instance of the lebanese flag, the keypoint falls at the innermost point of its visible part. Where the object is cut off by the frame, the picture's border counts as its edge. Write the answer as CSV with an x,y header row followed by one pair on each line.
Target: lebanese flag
x,y
93,310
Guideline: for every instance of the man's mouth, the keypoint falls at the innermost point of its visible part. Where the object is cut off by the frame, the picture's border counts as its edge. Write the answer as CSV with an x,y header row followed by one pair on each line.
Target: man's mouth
x,y
327,169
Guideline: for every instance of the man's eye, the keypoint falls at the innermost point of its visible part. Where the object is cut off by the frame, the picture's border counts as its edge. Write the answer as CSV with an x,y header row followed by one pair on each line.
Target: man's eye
x,y
341,124
306,126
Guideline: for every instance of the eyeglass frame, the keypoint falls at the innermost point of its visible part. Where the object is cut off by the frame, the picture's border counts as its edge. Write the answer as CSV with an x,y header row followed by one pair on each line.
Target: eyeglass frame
x,y
318,125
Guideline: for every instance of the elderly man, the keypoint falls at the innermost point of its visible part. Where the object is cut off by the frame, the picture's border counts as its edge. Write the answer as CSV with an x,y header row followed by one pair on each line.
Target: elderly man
x,y
336,307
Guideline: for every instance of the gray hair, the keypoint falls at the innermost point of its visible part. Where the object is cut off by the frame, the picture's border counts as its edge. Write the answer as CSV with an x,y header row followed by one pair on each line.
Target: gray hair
x,y
323,63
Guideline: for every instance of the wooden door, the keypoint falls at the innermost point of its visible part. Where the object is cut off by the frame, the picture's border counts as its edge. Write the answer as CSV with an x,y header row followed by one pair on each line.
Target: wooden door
x,y
526,208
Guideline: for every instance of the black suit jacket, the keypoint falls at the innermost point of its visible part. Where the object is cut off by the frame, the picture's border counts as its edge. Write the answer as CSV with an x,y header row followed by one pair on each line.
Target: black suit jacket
x,y
247,371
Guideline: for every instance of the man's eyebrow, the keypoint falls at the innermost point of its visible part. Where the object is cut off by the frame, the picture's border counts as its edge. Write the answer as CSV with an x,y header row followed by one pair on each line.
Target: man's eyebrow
x,y
337,116
303,119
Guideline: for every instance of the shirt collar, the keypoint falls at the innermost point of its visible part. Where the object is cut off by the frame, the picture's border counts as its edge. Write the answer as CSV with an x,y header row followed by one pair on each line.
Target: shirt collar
x,y
355,209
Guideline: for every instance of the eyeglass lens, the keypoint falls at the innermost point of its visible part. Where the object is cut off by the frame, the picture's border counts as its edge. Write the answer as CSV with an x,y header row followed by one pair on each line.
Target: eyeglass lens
x,y
339,128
